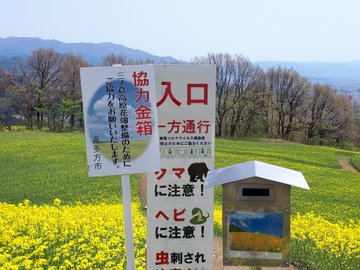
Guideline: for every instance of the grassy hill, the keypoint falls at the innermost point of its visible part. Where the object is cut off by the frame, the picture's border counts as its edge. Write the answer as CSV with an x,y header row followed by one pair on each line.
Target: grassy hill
x,y
333,191
41,166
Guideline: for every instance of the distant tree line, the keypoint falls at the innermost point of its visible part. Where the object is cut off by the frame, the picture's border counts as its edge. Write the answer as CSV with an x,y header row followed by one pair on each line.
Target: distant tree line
x,y
44,91
279,103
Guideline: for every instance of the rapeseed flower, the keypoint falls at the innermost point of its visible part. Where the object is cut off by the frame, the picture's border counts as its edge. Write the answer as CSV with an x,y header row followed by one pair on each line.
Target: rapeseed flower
x,y
57,202
340,239
67,237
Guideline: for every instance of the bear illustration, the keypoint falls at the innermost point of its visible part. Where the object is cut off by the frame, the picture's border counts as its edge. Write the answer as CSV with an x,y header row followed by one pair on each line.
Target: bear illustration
x,y
197,171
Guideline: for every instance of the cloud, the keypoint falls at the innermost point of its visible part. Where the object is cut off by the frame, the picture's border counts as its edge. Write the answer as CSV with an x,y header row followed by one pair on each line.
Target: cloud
x,y
101,107
241,219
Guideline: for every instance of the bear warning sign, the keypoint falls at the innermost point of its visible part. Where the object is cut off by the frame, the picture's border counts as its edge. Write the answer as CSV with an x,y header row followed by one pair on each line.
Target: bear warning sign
x,y
179,213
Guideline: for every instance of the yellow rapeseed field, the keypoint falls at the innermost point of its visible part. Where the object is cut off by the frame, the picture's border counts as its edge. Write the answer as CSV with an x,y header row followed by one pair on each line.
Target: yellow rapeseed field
x,y
327,245
92,237
342,240
67,237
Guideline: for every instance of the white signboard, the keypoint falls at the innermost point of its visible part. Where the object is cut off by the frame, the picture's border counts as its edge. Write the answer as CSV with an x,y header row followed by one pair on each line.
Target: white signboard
x,y
120,119
180,209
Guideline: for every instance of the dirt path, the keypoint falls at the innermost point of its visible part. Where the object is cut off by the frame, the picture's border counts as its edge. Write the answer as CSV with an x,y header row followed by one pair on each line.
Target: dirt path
x,y
344,161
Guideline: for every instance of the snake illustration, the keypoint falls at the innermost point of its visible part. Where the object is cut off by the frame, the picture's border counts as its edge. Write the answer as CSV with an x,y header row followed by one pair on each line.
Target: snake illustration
x,y
198,216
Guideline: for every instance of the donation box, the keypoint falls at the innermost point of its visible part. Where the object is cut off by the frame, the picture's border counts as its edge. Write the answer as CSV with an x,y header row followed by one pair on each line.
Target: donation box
x,y
256,212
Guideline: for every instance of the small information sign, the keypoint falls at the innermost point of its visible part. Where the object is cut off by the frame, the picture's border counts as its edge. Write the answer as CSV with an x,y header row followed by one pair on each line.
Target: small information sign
x,y
120,119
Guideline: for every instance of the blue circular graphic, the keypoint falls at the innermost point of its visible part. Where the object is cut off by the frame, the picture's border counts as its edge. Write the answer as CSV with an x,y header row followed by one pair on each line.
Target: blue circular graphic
x,y
113,117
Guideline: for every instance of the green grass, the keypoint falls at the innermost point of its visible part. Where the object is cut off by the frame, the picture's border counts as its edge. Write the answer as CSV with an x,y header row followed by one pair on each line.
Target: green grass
x,y
355,161
41,166
334,192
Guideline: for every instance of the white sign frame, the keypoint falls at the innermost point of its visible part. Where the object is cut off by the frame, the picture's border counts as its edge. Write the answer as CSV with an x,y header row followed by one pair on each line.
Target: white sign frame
x,y
186,119
103,136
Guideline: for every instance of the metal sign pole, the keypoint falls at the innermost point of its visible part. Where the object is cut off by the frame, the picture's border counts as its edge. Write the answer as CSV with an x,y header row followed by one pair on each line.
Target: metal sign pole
x,y
129,236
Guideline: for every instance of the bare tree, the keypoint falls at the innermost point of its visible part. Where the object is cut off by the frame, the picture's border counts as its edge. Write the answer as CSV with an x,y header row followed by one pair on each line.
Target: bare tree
x,y
5,103
226,82
341,121
112,59
290,90
41,77
320,104
357,125
257,107
331,118
70,91
21,97
246,95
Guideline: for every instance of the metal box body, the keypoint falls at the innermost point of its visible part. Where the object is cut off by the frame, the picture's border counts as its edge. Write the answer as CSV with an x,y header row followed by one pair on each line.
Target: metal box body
x,y
256,223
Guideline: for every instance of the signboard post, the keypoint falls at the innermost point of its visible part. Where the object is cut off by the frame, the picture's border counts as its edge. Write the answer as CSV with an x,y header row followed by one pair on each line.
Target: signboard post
x,y
129,235
179,210
121,128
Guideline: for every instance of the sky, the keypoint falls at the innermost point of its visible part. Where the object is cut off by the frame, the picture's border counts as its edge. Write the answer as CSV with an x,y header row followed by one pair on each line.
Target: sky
x,y
262,30
258,222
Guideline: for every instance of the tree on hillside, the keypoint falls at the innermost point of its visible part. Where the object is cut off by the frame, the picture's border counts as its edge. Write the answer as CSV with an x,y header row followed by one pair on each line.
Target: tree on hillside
x,y
331,119
41,77
342,121
290,91
226,82
21,98
320,105
70,90
5,103
112,59
246,96
356,108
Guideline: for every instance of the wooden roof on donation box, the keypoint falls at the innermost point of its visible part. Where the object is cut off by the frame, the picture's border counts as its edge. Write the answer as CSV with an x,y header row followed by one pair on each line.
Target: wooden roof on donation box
x,y
252,169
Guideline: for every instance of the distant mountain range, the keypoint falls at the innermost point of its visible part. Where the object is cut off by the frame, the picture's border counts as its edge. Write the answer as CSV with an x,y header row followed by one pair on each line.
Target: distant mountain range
x,y
344,77
17,48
